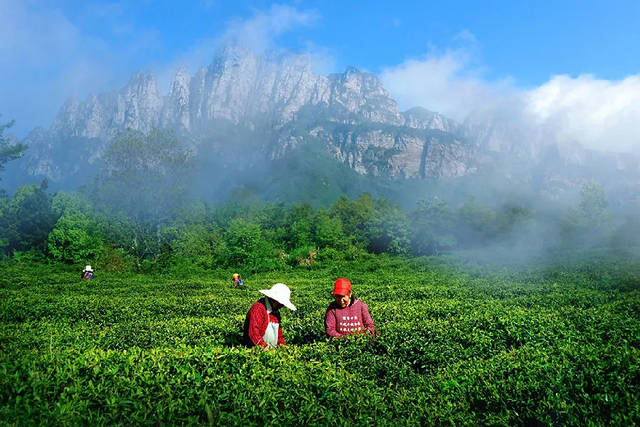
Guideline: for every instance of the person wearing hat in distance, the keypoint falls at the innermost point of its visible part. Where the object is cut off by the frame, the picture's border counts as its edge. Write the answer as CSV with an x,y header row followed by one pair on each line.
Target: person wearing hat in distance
x,y
236,280
87,273
262,324
347,314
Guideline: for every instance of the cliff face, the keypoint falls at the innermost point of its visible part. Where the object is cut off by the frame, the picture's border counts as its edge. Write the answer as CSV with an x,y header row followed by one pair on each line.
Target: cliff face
x,y
136,106
279,98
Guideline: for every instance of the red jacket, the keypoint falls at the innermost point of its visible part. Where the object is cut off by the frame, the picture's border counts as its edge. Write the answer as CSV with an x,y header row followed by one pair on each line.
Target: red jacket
x,y
354,318
255,325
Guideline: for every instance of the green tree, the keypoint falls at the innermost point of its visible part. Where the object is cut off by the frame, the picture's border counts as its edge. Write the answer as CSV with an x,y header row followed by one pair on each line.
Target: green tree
x,y
592,208
197,244
354,215
27,219
327,231
589,222
247,247
513,218
274,223
70,203
74,239
4,219
300,219
9,151
432,228
387,229
475,223
144,176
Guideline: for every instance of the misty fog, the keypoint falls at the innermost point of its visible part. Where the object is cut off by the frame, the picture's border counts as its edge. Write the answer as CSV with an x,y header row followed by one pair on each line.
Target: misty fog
x,y
238,122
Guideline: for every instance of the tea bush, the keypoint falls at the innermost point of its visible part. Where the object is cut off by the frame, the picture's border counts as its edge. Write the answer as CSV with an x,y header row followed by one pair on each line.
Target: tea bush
x,y
458,343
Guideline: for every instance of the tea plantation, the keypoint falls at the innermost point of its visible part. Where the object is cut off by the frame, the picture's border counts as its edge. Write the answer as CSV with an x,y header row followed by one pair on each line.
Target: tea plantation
x,y
459,343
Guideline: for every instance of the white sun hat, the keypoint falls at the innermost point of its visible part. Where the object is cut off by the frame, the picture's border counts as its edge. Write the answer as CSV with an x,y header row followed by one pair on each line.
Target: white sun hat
x,y
281,293
88,268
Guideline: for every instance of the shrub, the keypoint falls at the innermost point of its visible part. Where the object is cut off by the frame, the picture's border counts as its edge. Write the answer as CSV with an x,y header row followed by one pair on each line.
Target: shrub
x,y
195,244
113,259
247,246
304,256
27,219
328,231
73,240
329,254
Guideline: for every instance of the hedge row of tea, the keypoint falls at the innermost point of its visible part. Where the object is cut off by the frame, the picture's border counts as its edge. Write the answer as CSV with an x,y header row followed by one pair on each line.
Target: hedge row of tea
x,y
456,345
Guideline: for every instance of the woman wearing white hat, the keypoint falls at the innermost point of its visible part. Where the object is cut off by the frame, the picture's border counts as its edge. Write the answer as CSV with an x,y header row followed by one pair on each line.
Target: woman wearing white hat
x,y
262,324
87,273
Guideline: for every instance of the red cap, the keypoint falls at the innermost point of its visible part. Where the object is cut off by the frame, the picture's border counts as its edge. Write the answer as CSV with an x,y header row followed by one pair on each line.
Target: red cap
x,y
342,287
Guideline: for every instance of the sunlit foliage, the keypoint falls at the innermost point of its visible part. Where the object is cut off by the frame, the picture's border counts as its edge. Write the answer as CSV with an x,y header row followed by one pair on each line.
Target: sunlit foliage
x,y
458,344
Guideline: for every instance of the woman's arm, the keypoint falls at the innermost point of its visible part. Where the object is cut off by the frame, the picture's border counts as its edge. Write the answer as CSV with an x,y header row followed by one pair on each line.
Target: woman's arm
x,y
257,324
367,320
330,324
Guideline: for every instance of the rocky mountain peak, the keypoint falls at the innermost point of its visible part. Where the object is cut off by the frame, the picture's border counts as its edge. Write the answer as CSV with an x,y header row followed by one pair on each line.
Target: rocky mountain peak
x,y
361,95
282,102
140,103
181,79
67,115
265,93
421,118
176,110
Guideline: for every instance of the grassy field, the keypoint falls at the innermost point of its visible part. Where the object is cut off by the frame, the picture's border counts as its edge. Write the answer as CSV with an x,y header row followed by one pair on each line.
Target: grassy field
x,y
459,343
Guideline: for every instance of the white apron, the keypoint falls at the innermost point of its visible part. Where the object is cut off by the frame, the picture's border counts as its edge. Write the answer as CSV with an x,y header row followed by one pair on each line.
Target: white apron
x,y
271,334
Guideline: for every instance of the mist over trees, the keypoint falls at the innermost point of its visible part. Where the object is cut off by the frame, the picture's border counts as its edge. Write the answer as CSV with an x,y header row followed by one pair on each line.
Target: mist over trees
x,y
8,151
144,177
141,212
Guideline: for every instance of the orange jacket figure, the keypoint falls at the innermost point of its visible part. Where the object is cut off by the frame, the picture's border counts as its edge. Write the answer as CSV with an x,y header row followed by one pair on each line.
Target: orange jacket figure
x,y
236,279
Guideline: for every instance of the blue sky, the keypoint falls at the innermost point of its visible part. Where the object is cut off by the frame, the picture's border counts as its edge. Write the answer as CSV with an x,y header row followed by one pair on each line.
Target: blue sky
x,y
542,53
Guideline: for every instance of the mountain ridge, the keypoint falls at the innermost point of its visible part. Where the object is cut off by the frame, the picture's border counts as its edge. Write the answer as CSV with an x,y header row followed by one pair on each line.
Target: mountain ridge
x,y
279,100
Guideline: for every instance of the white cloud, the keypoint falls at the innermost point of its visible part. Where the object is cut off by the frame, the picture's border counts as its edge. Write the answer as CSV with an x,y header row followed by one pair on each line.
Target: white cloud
x,y
45,59
596,113
323,60
443,83
258,32
261,31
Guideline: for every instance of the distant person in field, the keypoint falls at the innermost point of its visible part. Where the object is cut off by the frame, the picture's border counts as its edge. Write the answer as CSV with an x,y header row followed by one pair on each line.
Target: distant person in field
x,y
262,324
87,273
237,281
347,314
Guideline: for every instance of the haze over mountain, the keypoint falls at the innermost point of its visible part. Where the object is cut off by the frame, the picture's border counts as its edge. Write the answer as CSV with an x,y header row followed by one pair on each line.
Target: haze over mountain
x,y
245,111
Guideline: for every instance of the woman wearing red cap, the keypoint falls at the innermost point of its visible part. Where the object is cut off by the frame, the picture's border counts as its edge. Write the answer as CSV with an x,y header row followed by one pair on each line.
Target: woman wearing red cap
x,y
347,314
